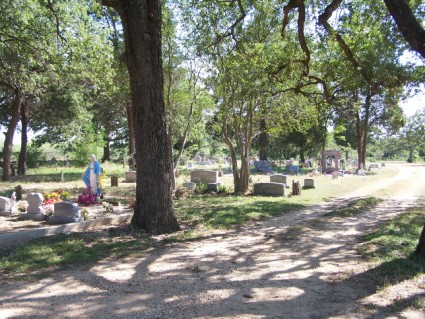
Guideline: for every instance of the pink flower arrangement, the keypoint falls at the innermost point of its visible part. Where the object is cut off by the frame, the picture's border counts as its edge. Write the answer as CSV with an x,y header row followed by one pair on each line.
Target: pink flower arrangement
x,y
87,198
51,198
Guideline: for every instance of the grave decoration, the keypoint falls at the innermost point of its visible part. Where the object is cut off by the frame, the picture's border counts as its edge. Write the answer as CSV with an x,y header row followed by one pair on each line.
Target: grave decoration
x,y
86,197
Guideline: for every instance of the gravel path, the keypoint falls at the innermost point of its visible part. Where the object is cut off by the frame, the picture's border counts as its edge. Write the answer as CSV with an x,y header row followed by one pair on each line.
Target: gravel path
x,y
300,265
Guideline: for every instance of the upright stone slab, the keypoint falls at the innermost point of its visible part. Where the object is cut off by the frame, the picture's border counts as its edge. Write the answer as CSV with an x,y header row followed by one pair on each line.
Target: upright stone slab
x,y
204,176
5,208
269,189
35,210
213,187
131,177
65,213
308,183
279,178
189,185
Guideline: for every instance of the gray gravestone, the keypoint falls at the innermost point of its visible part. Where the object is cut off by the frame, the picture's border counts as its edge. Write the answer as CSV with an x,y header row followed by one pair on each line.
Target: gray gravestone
x,y
269,189
279,178
130,176
189,185
204,176
5,208
65,213
213,187
35,210
308,183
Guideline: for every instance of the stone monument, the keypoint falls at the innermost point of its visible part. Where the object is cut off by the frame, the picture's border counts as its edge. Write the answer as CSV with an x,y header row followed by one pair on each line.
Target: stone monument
x,y
35,210
65,213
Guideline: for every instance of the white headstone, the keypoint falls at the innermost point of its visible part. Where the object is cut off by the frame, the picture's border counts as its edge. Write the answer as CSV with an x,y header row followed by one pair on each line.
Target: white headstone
x,y
5,204
35,202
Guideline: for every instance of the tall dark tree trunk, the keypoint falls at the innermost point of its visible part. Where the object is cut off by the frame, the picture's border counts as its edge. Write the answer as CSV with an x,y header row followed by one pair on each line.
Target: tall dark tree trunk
x,y
359,141
8,141
408,25
141,21
106,150
302,155
263,140
410,159
131,137
22,162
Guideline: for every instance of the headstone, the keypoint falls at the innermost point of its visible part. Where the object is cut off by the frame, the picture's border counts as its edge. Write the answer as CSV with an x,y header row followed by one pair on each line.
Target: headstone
x,y
5,208
65,212
130,176
308,183
373,166
189,185
213,187
18,190
114,181
382,164
335,174
279,178
204,176
189,165
269,189
35,210
197,158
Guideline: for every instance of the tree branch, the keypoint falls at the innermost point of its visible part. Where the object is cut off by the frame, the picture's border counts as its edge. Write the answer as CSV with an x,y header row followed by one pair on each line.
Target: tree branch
x,y
293,4
323,21
409,26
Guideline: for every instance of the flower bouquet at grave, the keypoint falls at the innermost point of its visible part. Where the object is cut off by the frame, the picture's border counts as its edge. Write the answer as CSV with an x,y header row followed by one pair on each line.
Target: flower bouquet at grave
x,y
87,198
51,198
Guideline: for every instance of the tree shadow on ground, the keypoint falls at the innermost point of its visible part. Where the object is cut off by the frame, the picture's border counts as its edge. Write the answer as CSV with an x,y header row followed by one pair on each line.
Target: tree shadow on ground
x,y
231,275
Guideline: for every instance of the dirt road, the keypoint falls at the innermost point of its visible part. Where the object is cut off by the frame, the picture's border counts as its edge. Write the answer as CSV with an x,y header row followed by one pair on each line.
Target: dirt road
x,y
261,271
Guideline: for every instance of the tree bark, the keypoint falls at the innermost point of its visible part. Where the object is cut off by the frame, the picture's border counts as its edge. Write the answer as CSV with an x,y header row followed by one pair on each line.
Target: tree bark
x,y
141,21
359,141
131,137
106,150
22,162
7,150
408,25
420,248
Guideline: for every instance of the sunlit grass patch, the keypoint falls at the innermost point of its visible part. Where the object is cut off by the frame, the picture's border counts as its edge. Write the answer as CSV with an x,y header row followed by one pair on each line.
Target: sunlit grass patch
x,y
355,207
58,252
228,211
392,246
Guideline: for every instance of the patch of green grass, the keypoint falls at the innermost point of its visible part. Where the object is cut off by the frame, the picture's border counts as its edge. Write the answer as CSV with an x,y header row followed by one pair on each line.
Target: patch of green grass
x,y
392,246
58,252
228,211
355,207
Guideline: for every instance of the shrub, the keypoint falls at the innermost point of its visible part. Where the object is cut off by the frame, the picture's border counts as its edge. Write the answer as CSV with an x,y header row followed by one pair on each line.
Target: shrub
x,y
201,188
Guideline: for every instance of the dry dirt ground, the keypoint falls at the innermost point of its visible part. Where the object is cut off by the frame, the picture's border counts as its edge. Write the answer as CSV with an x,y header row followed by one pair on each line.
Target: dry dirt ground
x,y
260,271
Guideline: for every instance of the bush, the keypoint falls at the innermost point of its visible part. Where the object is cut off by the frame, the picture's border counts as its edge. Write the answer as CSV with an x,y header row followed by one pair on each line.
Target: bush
x,y
223,189
201,188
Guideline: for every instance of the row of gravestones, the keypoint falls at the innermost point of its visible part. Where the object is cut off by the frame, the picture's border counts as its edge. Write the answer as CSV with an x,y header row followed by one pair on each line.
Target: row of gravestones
x,y
64,212
277,185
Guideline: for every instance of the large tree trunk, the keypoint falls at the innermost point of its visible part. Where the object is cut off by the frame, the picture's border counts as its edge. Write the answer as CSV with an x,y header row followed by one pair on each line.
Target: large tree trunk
x,y
22,162
106,150
141,21
131,137
263,140
235,172
408,25
8,141
359,141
